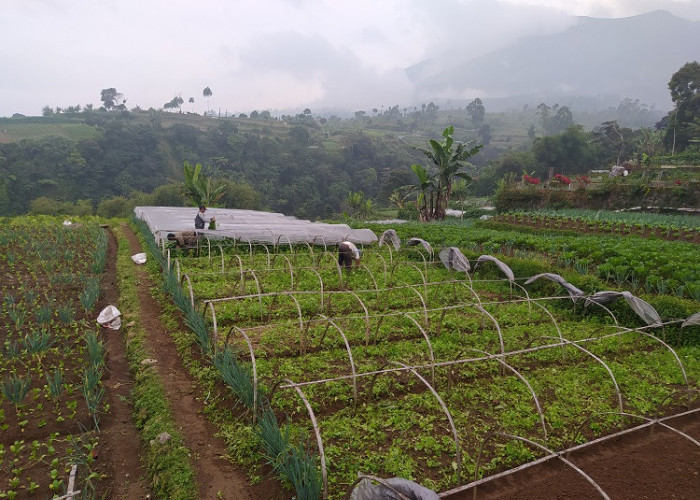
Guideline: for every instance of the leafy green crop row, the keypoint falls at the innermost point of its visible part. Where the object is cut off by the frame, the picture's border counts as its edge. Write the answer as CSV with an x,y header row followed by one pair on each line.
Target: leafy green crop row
x,y
672,222
649,265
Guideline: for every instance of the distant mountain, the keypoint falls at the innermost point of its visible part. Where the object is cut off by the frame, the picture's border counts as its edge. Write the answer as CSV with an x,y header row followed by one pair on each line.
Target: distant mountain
x,y
631,57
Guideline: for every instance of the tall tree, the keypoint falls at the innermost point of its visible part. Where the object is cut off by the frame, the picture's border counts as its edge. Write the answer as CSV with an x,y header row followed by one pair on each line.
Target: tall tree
x,y
111,99
684,121
648,143
557,122
477,111
561,120
207,94
176,102
610,134
448,158
569,152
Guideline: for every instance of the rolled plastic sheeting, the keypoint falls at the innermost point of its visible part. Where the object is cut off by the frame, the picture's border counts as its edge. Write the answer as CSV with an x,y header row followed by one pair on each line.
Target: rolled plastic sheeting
x,y
574,292
390,236
365,490
502,266
692,320
139,258
643,309
418,241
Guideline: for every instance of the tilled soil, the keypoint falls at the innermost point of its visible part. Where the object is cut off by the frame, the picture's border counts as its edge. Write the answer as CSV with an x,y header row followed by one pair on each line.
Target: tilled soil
x,y
652,463
217,477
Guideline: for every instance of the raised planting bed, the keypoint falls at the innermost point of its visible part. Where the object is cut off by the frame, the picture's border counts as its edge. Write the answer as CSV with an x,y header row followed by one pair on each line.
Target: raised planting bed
x,y
52,361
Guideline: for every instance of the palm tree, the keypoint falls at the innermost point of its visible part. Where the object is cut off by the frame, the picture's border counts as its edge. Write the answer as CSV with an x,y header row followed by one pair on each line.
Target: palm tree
x,y
448,162
207,94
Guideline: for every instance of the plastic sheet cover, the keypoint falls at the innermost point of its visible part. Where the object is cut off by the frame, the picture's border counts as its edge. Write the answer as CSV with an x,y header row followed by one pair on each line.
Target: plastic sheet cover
x,y
390,236
574,292
252,226
454,259
398,489
643,309
692,320
418,241
502,266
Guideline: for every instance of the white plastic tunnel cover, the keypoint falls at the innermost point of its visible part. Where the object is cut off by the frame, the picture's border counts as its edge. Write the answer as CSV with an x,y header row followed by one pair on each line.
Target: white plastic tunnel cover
x,y
418,241
454,259
643,309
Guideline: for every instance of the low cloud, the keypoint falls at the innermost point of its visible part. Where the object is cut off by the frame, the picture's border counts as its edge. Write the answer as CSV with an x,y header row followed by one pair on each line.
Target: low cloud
x,y
282,54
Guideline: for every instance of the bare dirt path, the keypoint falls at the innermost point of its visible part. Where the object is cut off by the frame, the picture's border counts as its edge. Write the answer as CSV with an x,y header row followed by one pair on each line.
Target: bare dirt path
x,y
119,449
217,478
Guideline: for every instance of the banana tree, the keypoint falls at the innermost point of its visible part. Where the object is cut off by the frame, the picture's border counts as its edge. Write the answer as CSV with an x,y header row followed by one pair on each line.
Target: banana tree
x,y
449,158
425,201
201,189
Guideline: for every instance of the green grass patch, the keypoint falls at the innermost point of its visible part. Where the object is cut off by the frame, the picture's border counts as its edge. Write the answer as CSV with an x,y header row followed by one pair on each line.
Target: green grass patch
x,y
10,132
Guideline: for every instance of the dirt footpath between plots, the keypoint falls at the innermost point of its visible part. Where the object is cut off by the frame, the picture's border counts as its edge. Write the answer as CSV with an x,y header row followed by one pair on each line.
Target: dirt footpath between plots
x,y
217,478
119,449
652,463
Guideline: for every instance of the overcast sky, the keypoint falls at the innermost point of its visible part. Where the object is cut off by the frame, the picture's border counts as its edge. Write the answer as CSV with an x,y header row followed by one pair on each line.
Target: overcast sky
x,y
276,55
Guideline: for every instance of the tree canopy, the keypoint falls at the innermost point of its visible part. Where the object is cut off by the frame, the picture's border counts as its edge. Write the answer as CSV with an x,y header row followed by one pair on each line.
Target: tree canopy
x,y
683,125
449,159
111,99
201,189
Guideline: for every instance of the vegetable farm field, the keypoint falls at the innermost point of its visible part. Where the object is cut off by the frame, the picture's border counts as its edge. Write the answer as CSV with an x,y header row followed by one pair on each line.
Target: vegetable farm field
x,y
405,368
53,359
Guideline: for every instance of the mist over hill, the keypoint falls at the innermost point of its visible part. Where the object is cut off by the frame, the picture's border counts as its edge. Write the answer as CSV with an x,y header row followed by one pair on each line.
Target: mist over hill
x,y
593,64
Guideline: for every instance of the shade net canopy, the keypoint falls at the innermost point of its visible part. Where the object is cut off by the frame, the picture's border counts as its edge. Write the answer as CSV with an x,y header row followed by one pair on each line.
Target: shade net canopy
x,y
251,226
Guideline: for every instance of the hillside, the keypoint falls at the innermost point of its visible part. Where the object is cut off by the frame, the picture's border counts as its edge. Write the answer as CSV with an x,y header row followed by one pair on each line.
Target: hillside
x,y
295,166
302,165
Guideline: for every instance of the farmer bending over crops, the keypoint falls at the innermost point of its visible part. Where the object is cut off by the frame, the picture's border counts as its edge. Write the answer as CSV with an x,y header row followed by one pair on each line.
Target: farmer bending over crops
x,y
183,238
347,253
